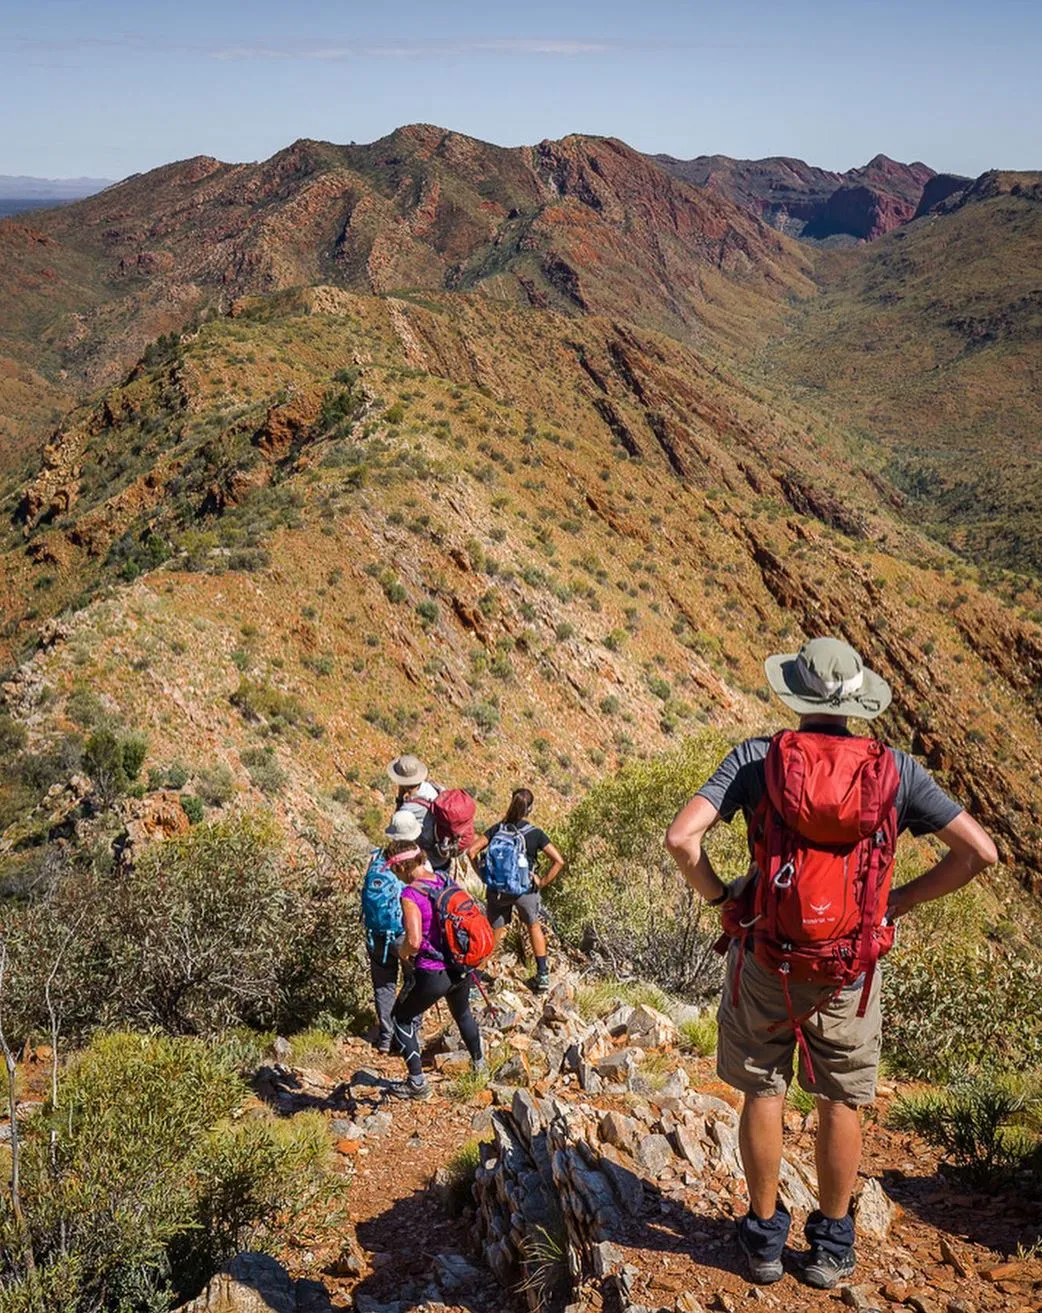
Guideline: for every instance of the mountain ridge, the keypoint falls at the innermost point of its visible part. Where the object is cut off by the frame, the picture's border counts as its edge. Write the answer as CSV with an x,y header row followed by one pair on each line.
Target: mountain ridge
x,y
806,201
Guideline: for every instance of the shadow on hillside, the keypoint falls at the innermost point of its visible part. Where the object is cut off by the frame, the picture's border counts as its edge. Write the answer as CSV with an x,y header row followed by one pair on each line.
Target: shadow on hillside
x,y
999,1217
406,1239
283,1090
412,1232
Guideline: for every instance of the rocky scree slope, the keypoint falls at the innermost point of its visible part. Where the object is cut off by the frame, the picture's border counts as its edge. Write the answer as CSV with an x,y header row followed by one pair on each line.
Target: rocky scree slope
x,y
607,1177
581,224
329,525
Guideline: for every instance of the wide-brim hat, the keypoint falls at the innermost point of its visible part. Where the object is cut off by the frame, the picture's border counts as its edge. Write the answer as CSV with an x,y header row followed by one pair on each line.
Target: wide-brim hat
x,y
405,826
407,769
827,677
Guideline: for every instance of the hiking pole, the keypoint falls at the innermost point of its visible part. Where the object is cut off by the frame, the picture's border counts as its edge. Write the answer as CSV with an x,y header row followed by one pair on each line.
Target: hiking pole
x,y
488,1002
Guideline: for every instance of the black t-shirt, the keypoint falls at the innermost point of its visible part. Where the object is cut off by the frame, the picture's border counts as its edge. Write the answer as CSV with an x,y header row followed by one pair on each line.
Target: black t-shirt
x,y
535,840
739,781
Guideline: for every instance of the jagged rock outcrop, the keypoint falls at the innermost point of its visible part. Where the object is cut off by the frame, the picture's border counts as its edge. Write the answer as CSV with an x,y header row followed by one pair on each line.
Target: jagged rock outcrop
x,y
562,1186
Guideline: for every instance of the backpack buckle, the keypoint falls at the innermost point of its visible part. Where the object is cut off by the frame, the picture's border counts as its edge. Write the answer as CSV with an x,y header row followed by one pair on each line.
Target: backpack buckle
x,y
784,877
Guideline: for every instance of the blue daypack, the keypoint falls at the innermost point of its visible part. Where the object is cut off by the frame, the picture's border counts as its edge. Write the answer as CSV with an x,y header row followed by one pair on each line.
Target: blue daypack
x,y
505,869
382,904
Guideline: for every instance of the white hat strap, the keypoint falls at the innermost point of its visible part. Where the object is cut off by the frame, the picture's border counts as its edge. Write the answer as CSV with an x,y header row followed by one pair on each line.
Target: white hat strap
x,y
828,688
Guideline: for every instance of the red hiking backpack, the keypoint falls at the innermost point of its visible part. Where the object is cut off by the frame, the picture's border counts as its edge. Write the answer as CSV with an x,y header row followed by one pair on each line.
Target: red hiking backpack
x,y
453,813
465,929
823,838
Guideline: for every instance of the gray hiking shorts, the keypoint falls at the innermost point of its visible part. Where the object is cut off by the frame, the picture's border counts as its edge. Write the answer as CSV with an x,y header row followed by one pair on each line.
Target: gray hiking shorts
x,y
500,908
756,1044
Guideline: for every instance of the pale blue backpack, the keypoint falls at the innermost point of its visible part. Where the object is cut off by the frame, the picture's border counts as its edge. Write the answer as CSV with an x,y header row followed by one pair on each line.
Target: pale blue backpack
x,y
506,869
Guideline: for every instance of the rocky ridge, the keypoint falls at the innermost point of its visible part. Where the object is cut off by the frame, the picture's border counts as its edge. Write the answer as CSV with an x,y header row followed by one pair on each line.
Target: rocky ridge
x,y
584,224
804,201
598,1186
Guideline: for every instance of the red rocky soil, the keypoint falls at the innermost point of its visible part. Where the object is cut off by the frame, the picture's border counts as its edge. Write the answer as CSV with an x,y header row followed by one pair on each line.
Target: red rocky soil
x,y
948,1250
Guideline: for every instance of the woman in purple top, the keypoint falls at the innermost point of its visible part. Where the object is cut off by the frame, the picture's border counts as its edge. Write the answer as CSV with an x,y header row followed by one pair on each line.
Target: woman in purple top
x,y
433,978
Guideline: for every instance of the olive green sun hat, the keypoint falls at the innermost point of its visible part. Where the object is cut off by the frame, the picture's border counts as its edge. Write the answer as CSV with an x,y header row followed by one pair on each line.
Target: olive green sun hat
x,y
827,677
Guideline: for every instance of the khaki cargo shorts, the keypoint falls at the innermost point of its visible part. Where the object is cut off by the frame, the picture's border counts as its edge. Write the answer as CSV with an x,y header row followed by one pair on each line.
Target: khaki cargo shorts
x,y
756,1059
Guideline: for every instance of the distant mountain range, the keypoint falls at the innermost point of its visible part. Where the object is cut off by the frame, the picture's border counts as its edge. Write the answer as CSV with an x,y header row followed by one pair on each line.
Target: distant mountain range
x,y
19,193
21,188
804,201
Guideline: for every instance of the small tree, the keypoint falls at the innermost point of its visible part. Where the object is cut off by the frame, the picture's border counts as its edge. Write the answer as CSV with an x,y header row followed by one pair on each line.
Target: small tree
x,y
113,762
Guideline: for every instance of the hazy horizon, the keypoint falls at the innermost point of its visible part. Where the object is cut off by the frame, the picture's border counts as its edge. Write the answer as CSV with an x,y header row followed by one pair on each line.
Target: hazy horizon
x,y
106,88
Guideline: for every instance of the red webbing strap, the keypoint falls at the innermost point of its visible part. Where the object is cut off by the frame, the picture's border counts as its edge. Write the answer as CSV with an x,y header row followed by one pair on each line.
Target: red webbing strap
x,y
797,1026
738,968
870,972
868,950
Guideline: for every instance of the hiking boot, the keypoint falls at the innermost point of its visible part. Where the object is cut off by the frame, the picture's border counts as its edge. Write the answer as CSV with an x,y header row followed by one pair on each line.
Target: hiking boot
x,y
540,983
479,1067
831,1256
762,1242
824,1270
384,1046
407,1089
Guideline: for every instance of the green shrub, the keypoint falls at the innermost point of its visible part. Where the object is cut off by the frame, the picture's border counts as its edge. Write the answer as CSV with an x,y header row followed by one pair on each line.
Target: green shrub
x,y
265,770
260,701
113,762
485,715
699,1034
599,997
215,784
146,1187
978,1123
213,929
12,735
394,589
456,1178
954,1000
622,894
193,807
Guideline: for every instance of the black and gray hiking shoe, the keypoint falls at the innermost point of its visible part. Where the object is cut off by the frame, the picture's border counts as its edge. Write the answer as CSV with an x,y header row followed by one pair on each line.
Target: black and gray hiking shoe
x,y
824,1269
762,1243
831,1256
540,983
761,1253
407,1089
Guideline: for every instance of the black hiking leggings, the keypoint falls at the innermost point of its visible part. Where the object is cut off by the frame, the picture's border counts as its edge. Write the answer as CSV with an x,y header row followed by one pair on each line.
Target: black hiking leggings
x,y
426,989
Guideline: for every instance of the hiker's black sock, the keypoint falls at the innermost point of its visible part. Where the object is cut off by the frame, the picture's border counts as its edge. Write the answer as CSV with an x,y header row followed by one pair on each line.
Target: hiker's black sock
x,y
541,969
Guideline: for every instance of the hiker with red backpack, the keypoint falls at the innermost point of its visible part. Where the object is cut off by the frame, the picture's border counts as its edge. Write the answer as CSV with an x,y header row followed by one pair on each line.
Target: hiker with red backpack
x,y
807,926
446,816
447,936
509,854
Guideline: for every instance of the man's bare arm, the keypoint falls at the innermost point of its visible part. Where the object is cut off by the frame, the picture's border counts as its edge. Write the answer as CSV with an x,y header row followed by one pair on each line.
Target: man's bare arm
x,y
970,851
684,844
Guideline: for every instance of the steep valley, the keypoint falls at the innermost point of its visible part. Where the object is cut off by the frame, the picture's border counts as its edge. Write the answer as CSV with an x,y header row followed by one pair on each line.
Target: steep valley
x,y
326,526
522,460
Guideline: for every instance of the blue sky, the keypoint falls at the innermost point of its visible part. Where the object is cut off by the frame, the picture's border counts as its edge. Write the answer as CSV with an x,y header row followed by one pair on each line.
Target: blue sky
x,y
108,87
